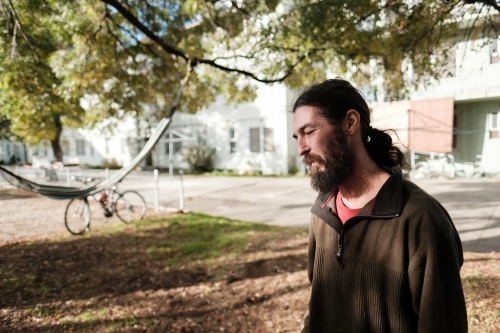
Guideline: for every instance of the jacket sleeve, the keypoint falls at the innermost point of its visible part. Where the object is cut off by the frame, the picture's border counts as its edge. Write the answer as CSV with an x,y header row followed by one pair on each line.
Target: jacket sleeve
x,y
310,268
434,275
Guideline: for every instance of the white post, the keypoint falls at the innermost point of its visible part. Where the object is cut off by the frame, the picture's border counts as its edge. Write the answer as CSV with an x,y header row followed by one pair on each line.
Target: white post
x,y
412,160
68,177
106,177
181,191
156,189
170,156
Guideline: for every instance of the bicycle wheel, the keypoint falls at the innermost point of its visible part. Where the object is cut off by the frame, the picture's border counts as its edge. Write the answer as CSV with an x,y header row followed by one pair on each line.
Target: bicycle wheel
x,y
421,173
130,206
77,216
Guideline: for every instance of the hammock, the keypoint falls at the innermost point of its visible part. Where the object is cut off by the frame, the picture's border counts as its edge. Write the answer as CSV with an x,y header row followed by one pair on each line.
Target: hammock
x,y
62,193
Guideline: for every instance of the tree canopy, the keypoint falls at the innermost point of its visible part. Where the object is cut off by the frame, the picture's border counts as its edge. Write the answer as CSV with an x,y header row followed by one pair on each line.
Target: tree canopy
x,y
77,62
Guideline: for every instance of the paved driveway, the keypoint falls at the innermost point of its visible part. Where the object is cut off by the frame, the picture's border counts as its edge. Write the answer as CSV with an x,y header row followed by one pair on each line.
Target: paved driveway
x,y
474,204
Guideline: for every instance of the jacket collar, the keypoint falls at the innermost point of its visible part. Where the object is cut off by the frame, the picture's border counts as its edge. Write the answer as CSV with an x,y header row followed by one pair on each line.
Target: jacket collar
x,y
387,203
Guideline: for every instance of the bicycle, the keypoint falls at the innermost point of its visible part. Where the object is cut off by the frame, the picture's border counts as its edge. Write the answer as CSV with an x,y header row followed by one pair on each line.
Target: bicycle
x,y
444,166
128,206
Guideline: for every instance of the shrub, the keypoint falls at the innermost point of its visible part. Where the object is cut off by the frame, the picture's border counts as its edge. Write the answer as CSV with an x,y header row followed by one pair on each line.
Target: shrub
x,y
110,163
199,157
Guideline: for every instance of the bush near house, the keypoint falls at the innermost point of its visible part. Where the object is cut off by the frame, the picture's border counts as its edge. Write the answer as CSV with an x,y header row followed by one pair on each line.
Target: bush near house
x,y
199,157
12,160
110,163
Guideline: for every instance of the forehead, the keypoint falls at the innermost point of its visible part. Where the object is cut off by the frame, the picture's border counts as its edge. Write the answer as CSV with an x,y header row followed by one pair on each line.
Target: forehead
x,y
306,115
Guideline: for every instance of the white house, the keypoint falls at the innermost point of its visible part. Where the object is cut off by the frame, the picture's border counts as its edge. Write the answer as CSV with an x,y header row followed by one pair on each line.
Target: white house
x,y
254,136
12,152
247,137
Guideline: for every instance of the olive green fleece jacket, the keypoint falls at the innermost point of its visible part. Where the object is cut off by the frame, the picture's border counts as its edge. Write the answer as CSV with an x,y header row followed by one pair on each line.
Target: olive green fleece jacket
x,y
394,267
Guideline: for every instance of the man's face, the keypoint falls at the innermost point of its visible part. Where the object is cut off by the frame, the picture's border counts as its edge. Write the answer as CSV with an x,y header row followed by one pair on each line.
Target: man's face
x,y
325,148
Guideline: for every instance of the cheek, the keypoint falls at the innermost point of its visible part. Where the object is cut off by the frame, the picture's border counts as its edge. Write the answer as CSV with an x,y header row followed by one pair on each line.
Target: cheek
x,y
320,147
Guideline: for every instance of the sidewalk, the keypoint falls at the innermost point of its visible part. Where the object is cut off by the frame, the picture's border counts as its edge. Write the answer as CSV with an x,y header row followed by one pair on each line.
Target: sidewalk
x,y
473,204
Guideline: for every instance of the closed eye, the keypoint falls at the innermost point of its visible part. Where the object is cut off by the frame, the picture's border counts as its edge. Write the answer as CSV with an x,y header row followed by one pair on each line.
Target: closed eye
x,y
309,132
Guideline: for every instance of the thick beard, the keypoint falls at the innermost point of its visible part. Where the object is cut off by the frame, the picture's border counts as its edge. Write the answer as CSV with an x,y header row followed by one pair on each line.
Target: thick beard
x,y
338,165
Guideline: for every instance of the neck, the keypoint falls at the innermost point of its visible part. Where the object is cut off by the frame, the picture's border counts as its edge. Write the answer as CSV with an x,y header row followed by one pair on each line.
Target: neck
x,y
364,183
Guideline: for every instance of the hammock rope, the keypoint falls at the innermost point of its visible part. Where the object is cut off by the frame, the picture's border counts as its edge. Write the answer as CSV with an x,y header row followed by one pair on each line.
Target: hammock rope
x,y
63,192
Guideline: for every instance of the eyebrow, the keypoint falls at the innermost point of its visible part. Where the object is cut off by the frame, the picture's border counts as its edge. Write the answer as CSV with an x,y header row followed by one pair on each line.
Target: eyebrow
x,y
301,129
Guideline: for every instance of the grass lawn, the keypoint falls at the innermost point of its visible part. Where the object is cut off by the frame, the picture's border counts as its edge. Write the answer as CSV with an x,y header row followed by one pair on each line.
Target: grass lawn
x,y
183,273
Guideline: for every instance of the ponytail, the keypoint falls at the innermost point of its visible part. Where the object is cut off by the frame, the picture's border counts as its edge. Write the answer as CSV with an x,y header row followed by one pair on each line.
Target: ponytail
x,y
379,146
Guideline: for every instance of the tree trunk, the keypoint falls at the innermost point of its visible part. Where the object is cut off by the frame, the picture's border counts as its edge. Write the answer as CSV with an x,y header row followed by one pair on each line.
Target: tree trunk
x,y
56,144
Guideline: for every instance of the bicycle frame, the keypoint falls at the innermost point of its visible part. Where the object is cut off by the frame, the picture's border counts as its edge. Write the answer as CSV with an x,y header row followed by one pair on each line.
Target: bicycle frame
x,y
128,206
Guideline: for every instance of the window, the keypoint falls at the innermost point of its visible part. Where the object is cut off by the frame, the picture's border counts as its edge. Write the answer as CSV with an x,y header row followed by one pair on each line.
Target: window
x,y
91,150
123,144
255,140
232,141
132,144
177,144
7,146
454,141
494,57
45,148
65,147
450,67
269,139
34,151
176,141
202,137
80,147
493,125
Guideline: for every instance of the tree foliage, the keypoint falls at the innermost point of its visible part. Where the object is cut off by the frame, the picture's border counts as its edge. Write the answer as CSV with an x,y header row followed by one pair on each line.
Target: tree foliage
x,y
404,42
30,92
77,62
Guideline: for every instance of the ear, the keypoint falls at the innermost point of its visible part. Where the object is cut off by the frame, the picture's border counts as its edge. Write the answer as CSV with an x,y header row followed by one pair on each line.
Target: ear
x,y
352,120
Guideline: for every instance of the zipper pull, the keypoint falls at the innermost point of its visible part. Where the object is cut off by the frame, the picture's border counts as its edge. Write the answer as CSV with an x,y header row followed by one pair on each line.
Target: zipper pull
x,y
339,253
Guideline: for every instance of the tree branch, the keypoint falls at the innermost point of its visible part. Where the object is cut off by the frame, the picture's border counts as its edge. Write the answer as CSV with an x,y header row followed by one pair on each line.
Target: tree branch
x,y
490,3
288,71
428,31
19,25
132,19
151,35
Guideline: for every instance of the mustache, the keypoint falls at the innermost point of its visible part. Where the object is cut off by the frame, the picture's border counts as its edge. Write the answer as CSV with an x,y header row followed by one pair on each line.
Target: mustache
x,y
310,158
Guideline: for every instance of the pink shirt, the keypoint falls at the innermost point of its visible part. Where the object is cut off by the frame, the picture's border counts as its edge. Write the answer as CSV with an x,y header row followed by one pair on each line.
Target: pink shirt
x,y
344,212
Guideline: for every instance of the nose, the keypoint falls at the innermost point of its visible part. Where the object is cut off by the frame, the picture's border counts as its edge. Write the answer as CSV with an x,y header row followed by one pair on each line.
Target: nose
x,y
302,147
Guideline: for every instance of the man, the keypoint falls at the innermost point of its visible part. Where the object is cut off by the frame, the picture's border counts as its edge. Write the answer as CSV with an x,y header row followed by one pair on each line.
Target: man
x,y
384,256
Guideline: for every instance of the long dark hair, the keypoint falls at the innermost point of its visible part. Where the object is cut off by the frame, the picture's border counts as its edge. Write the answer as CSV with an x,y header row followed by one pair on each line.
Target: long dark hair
x,y
333,98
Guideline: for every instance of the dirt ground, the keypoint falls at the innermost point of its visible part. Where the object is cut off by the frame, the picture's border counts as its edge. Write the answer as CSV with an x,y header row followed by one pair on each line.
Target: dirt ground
x,y
54,282
110,284
27,216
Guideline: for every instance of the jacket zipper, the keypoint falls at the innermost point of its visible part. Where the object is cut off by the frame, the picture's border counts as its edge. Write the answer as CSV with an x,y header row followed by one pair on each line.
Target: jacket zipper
x,y
340,246
341,237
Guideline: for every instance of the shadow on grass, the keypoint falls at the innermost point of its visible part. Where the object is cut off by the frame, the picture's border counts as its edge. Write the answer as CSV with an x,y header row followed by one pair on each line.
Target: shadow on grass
x,y
185,315
157,254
